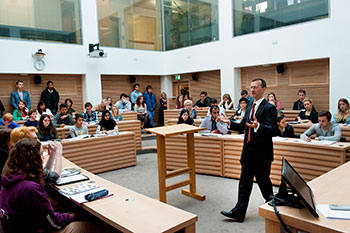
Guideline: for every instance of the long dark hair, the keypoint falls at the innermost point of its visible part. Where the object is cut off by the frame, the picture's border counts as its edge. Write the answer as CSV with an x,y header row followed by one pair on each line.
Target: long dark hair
x,y
49,130
189,120
25,105
41,103
25,158
110,124
4,138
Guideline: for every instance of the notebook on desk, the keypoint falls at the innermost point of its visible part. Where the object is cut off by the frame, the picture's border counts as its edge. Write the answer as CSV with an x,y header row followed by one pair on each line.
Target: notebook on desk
x,y
71,179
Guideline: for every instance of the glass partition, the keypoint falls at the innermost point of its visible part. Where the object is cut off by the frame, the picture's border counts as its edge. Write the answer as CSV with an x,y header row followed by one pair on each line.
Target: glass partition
x,y
258,15
190,22
132,24
41,20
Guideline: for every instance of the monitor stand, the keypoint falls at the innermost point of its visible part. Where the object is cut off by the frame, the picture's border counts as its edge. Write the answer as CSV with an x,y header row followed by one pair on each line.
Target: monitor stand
x,y
286,197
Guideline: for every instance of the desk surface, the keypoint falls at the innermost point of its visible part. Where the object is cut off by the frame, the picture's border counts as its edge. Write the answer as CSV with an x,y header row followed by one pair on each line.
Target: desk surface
x,y
141,214
330,188
174,130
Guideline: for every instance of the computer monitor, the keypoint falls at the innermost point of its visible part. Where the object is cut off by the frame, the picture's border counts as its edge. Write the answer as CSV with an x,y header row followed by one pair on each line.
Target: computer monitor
x,y
299,186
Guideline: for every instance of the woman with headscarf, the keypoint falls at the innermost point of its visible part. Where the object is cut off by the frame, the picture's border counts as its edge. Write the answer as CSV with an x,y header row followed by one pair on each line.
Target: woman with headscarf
x,y
107,124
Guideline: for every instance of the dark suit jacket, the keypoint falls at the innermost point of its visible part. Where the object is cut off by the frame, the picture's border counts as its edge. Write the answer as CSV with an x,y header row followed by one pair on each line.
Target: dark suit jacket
x,y
260,147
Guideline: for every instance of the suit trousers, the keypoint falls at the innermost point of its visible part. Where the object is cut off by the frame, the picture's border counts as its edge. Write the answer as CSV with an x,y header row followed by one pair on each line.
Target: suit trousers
x,y
261,171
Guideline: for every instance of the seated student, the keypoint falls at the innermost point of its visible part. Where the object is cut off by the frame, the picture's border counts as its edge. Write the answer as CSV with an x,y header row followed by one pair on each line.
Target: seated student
x,y
89,115
109,103
213,122
4,146
203,102
192,111
101,107
244,94
299,104
78,129
24,202
107,124
239,114
309,114
41,109
116,115
7,121
184,117
69,103
2,109
63,118
123,104
343,113
21,112
271,98
179,102
213,102
140,108
32,119
226,102
46,130
284,129
53,166
324,130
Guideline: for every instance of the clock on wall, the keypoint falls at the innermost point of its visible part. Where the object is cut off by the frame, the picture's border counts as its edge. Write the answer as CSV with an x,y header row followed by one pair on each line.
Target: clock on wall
x,y
39,64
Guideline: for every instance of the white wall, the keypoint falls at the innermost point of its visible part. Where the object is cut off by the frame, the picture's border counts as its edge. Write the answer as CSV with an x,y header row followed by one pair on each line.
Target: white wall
x,y
325,38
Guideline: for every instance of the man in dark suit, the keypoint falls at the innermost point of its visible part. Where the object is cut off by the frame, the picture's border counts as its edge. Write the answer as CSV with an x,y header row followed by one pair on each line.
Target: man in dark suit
x,y
260,123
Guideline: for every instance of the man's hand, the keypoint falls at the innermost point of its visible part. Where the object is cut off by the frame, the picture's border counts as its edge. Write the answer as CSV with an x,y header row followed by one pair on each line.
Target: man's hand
x,y
254,123
215,131
64,117
224,119
308,139
62,125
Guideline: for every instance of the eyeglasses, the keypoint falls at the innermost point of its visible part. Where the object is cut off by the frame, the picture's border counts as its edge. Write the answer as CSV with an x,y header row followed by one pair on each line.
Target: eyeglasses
x,y
215,112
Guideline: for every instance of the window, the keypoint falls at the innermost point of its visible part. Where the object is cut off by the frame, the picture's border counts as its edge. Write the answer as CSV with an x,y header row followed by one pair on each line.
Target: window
x,y
258,15
132,24
190,22
41,20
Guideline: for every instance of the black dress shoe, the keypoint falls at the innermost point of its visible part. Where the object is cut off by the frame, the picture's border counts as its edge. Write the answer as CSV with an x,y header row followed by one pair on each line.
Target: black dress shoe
x,y
229,214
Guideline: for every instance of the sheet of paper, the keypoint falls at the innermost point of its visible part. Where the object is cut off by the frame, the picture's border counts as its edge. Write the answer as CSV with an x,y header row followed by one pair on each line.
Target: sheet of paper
x,y
333,214
323,142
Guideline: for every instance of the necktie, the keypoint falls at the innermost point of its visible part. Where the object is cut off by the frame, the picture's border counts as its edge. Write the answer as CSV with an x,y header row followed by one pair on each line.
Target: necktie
x,y
251,117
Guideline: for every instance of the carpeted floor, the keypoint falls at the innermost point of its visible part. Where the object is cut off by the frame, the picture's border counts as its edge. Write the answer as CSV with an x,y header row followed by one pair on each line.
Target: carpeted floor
x,y
221,194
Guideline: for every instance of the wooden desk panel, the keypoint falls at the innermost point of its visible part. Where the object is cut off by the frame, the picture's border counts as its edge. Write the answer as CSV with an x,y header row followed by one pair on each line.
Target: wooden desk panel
x,y
208,154
310,160
142,214
123,126
170,114
331,187
100,154
291,115
129,116
173,121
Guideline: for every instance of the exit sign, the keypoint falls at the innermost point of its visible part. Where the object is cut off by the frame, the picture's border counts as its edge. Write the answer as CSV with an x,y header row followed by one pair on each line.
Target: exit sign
x,y
177,77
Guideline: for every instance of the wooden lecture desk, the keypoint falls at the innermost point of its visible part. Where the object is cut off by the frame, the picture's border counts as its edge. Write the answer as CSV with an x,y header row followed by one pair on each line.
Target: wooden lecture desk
x,y
100,154
123,126
291,115
330,188
129,211
220,155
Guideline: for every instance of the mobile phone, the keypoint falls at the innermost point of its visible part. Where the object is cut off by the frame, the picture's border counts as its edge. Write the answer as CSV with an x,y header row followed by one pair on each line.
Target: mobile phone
x,y
340,207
